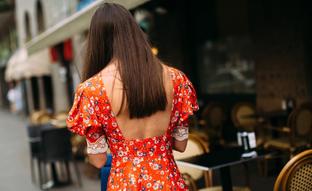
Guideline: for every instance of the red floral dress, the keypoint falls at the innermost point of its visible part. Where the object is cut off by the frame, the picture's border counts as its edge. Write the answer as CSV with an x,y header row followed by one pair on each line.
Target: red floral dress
x,y
138,164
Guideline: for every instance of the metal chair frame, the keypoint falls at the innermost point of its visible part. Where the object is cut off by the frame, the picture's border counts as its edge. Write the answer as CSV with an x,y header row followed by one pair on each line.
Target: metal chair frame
x,y
61,153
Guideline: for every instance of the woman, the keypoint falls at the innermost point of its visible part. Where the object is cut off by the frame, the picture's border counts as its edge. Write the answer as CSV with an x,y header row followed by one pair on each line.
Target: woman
x,y
132,104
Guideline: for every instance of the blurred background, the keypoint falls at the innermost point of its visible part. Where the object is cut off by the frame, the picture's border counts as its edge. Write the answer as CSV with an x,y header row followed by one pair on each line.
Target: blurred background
x,y
249,60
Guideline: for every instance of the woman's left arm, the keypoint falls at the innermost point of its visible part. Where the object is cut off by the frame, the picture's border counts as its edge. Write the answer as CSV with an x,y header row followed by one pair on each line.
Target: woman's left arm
x,y
187,105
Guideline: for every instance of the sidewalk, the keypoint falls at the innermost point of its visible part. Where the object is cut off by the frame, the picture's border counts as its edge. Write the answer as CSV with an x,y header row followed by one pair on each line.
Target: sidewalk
x,y
14,160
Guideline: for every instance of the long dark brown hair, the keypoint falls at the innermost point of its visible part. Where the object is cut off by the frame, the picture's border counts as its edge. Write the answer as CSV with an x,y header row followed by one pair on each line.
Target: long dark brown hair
x,y
114,34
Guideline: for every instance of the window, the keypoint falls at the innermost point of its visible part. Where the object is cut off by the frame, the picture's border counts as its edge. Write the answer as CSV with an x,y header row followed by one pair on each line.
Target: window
x,y
27,26
40,17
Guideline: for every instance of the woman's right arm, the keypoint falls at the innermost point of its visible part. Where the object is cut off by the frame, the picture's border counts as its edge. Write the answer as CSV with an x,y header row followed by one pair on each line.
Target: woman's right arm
x,y
83,120
97,160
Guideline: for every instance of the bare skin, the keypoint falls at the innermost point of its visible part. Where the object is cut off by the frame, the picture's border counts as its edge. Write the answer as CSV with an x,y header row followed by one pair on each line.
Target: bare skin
x,y
155,125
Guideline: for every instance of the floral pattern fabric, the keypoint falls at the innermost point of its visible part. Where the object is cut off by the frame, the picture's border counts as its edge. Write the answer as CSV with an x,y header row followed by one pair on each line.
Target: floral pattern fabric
x,y
137,164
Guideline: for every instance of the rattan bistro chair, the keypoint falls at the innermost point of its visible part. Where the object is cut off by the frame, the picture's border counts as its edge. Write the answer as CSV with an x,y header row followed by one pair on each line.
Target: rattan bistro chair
x,y
212,120
40,117
213,115
244,117
296,174
195,146
298,132
240,113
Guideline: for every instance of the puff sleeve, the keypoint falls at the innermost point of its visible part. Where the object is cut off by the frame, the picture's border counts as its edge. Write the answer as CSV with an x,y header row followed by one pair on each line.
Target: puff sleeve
x,y
83,120
186,106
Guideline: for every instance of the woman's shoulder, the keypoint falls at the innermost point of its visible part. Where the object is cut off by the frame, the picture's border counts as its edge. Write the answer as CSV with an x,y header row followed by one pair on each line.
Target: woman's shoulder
x,y
91,86
177,75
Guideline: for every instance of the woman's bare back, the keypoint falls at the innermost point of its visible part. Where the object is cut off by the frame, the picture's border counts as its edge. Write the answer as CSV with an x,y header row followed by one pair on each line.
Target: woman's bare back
x,y
154,125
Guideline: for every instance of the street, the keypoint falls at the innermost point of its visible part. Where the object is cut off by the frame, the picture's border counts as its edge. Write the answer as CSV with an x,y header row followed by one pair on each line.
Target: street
x,y
15,163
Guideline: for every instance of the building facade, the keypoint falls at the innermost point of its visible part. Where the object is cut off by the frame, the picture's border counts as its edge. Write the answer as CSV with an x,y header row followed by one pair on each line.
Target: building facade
x,y
32,18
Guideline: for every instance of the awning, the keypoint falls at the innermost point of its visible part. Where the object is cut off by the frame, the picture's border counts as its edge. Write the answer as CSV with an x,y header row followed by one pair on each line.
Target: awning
x,y
37,64
22,66
72,25
17,58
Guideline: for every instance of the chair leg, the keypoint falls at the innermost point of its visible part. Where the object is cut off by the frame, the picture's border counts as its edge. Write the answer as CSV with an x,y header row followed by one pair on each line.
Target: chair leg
x,y
208,178
77,173
69,179
63,170
44,175
190,182
32,171
40,173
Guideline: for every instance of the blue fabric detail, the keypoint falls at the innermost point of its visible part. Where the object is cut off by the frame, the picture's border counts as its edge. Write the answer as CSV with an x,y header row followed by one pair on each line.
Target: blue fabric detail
x,y
105,172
